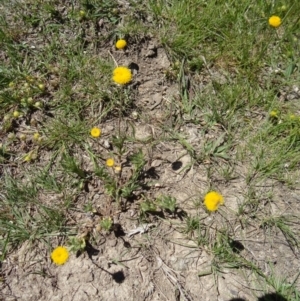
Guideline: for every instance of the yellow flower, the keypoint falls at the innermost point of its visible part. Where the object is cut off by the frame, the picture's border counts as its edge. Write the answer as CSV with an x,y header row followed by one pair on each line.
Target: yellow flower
x,y
95,132
273,114
82,13
122,75
42,87
60,255
292,117
29,78
275,21
283,8
110,162
118,169
16,114
32,155
27,158
213,200
36,136
121,44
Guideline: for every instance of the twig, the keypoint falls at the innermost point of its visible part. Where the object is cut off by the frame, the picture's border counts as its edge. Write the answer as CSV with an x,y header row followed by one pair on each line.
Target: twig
x,y
171,275
113,58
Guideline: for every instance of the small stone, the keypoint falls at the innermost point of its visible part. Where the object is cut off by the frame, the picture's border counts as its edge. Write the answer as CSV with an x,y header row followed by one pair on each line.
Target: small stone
x,y
100,23
291,96
149,19
135,115
11,136
109,128
152,47
296,89
22,137
106,144
6,117
156,163
150,53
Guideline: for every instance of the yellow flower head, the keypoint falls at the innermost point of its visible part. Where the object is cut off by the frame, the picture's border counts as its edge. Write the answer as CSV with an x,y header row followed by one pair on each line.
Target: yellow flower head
x,y
292,117
118,169
213,200
82,13
42,87
27,158
110,162
95,132
60,255
275,21
122,75
121,44
29,78
274,114
16,114
36,136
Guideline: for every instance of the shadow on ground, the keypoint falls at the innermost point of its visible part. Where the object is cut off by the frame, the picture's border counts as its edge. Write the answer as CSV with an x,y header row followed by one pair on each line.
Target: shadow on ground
x,y
267,297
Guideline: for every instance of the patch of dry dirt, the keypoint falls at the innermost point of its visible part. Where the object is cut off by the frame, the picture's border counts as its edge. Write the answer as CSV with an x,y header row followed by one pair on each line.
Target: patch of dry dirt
x,y
156,265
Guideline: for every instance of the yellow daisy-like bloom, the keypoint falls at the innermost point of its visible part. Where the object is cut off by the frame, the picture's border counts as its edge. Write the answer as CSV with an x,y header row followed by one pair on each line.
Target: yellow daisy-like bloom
x,y
213,200
121,44
36,136
273,114
110,162
16,114
60,255
118,169
122,75
292,117
95,132
275,21
82,13
27,158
